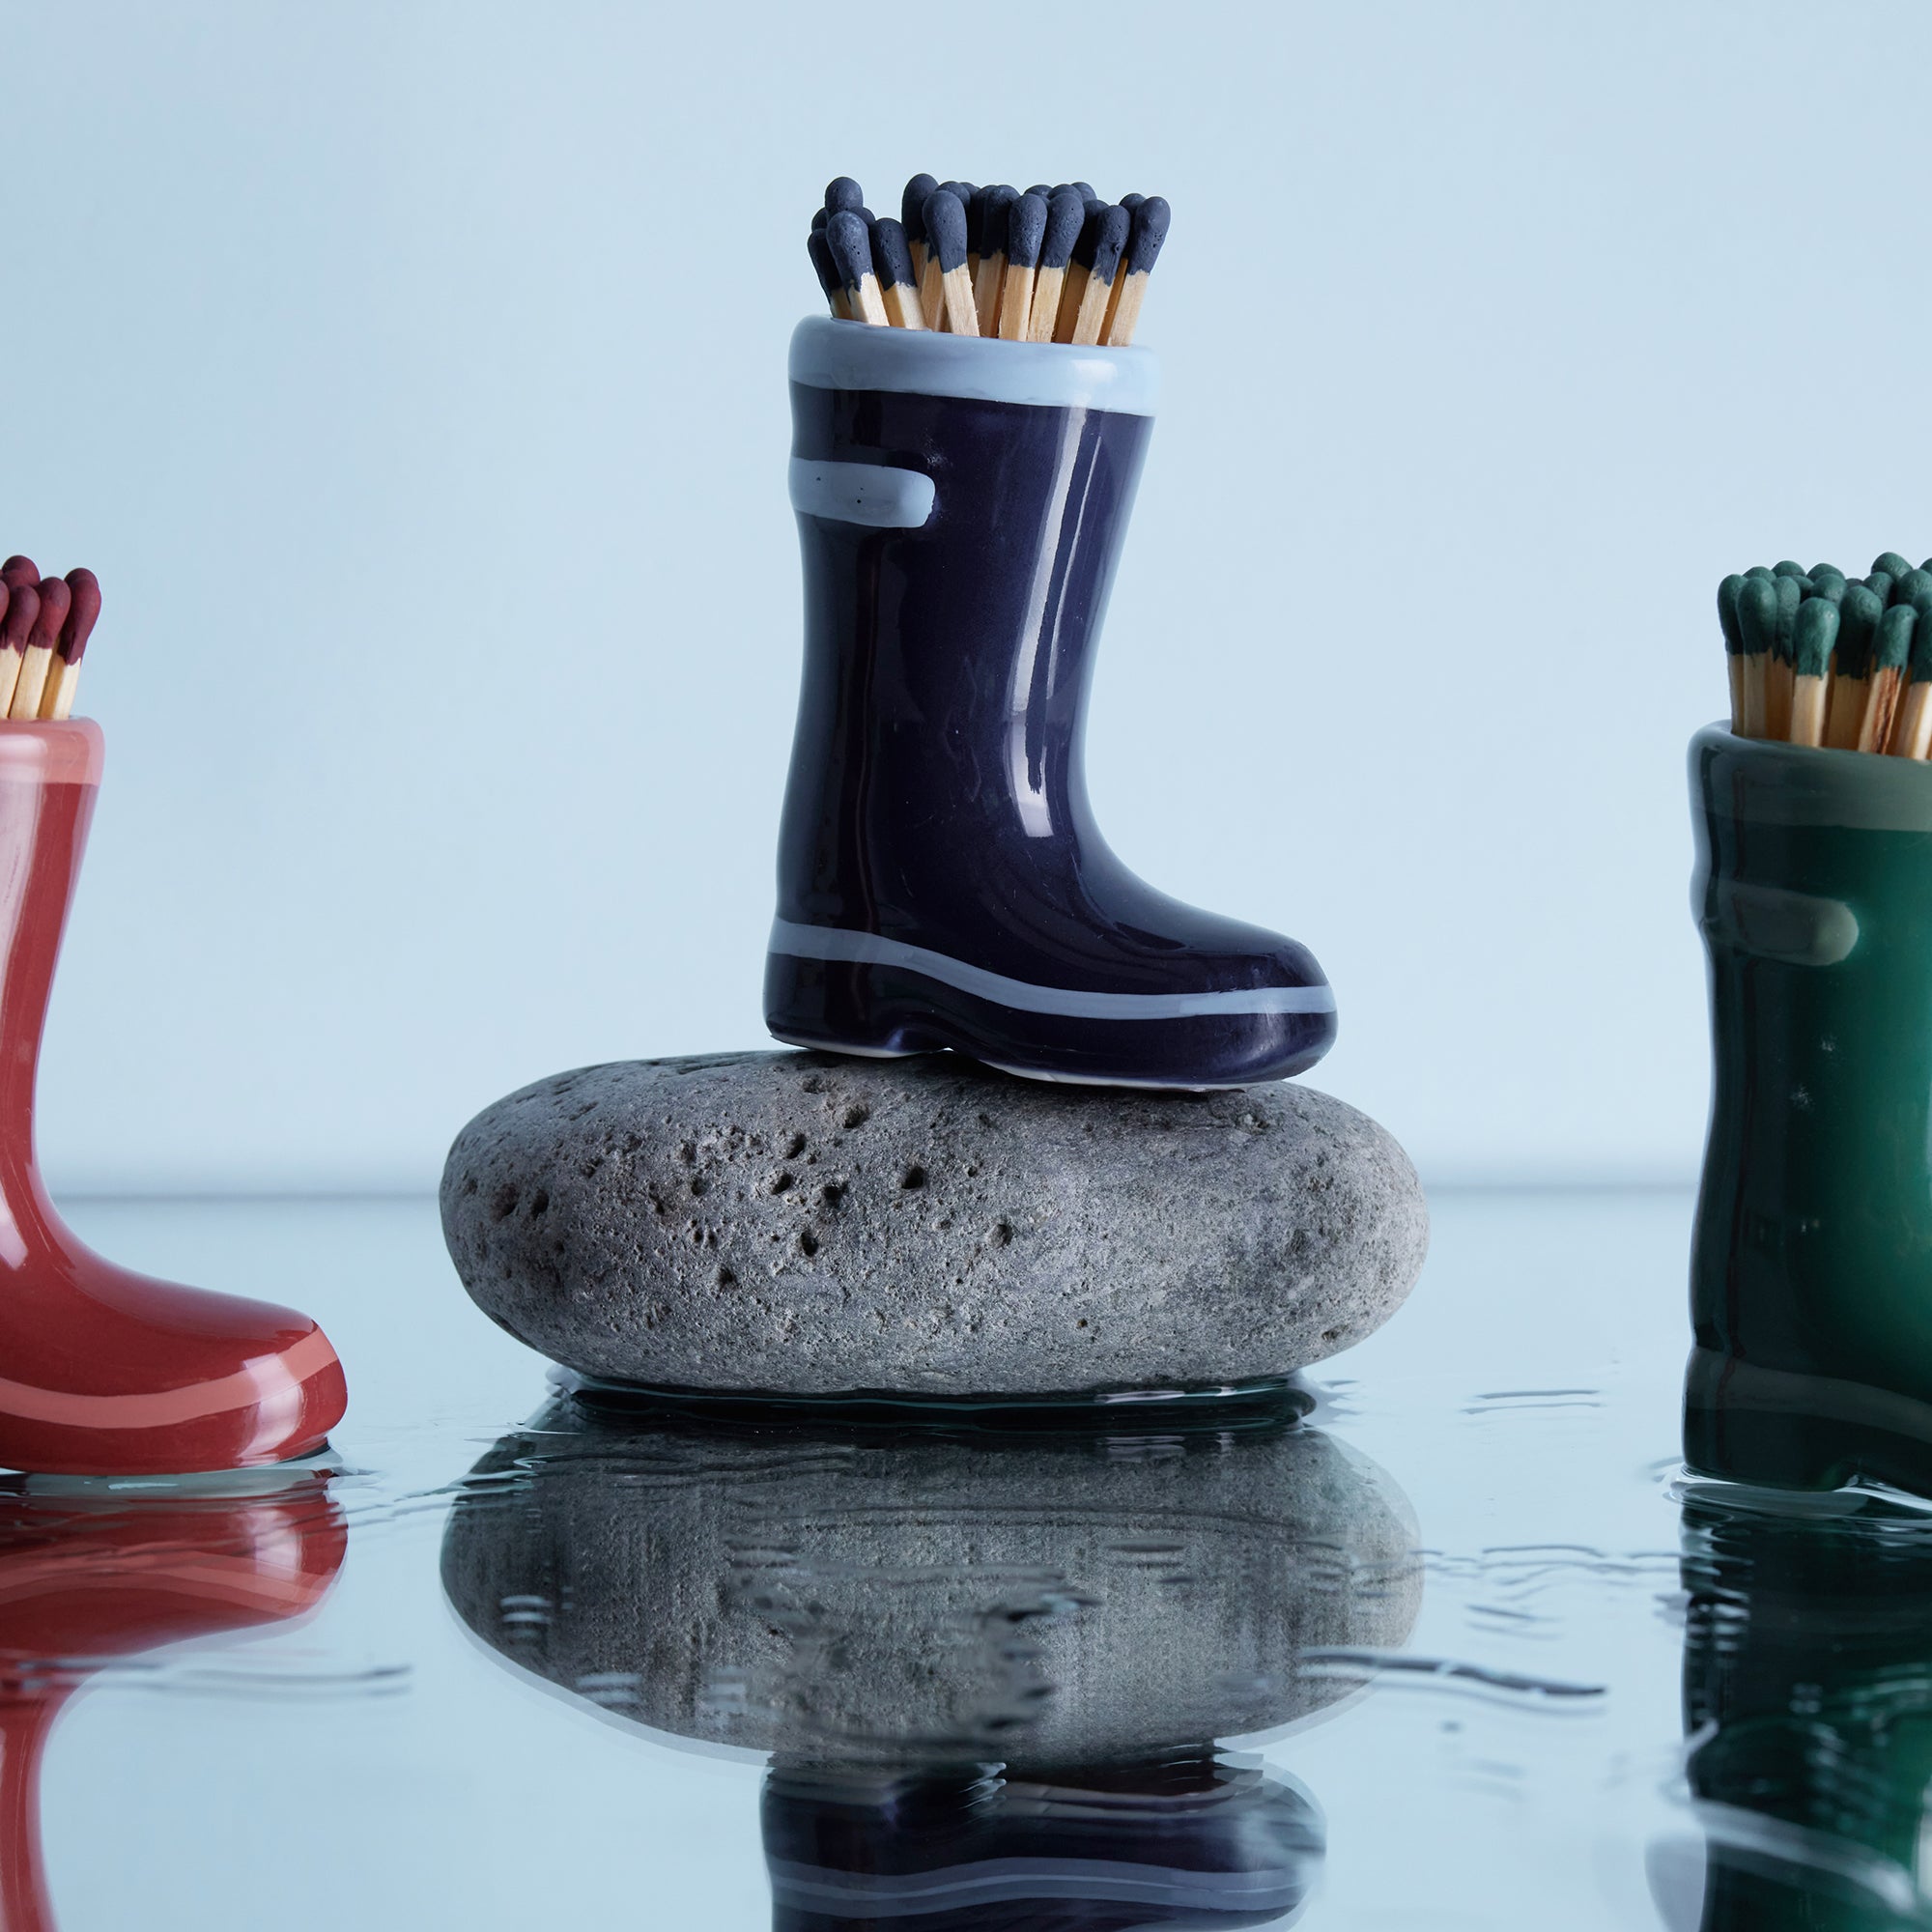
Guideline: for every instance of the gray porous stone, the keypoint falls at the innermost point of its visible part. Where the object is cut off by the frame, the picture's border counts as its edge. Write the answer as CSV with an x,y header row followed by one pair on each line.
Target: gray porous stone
x,y
802,1223
1040,1600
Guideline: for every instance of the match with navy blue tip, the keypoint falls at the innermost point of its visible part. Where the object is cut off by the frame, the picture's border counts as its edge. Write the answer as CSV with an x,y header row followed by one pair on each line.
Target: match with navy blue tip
x,y
946,229
1092,212
1084,190
1025,230
1112,243
1130,202
851,243
912,206
842,194
1150,223
891,254
819,218
1065,213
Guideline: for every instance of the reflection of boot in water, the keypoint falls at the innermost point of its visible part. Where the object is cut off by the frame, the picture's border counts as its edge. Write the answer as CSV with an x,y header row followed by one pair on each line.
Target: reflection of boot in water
x,y
104,1372
942,881
87,1580
1808,1694
1184,1840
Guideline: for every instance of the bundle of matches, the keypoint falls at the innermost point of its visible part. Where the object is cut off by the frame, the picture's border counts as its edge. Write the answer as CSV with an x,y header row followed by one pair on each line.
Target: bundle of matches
x,y
1052,265
1817,657
45,625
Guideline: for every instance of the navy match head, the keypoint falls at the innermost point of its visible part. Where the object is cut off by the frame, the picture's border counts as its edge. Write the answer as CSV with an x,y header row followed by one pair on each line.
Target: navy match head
x,y
1091,217
83,612
976,220
997,219
912,205
1150,219
851,244
1041,189
1084,190
822,263
1064,214
891,254
1130,202
946,229
1025,230
1111,245
844,194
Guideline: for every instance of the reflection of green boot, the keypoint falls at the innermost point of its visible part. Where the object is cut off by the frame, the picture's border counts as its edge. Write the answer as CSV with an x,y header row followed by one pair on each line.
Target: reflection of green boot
x,y
1812,1272
1807,1675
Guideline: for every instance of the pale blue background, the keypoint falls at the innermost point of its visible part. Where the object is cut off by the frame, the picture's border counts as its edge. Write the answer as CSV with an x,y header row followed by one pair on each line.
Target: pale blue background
x,y
413,376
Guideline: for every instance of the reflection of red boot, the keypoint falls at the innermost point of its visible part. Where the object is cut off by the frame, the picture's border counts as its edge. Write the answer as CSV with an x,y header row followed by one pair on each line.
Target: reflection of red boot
x,y
104,1372
83,1583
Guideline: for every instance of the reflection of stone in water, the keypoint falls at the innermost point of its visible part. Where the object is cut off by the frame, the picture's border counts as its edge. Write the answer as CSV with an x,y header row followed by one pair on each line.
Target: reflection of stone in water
x,y
1190,1839
1035,1601
1807,1696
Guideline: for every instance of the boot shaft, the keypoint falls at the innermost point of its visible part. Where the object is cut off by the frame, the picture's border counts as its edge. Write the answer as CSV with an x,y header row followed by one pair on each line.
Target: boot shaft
x,y
962,509
1812,1253
50,775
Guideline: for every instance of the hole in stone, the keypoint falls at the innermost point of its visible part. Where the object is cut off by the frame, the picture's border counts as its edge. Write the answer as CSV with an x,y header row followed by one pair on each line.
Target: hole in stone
x,y
469,1188
807,1242
503,1203
700,1187
857,1116
539,1203
1082,1322
781,1181
793,1147
727,1279
913,1176
1003,1233
830,1196
1330,1334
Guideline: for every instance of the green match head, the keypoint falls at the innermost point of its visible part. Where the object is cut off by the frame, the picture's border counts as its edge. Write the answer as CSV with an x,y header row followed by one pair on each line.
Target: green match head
x,y
1893,646
1914,587
1881,582
1813,636
1857,625
1891,563
1757,614
1828,583
1921,672
1787,569
1789,598
1728,592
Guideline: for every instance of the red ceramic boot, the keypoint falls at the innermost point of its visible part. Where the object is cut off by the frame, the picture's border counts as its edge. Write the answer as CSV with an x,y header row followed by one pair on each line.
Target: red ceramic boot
x,y
88,1580
104,1372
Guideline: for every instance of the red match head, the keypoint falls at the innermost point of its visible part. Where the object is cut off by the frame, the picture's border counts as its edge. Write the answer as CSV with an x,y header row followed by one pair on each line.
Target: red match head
x,y
84,588
20,570
55,601
23,606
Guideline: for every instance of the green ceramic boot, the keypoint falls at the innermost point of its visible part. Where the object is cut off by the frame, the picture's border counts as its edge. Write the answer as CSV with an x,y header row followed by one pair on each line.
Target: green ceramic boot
x,y
1811,1268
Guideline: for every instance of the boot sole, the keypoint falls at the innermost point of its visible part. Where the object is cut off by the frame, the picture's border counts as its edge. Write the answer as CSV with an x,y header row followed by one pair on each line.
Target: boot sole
x,y
887,1012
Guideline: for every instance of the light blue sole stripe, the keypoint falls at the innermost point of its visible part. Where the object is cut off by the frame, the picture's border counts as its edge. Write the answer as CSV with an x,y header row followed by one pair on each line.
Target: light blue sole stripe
x,y
867,949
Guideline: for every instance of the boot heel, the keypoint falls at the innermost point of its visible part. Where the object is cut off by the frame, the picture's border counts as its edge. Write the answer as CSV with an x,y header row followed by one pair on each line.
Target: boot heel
x,y
833,1007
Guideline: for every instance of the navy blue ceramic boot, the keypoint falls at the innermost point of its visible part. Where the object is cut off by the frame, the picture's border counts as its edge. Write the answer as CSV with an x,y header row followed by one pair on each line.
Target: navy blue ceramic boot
x,y
941,880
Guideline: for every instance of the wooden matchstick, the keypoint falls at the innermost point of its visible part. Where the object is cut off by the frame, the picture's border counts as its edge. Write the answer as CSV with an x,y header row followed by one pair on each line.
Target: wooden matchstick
x,y
1892,651
1813,636
912,217
946,236
1025,230
1851,666
1098,297
1065,212
851,245
1728,593
37,660
1073,291
83,610
827,271
1911,735
1757,630
995,220
1149,231
891,263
